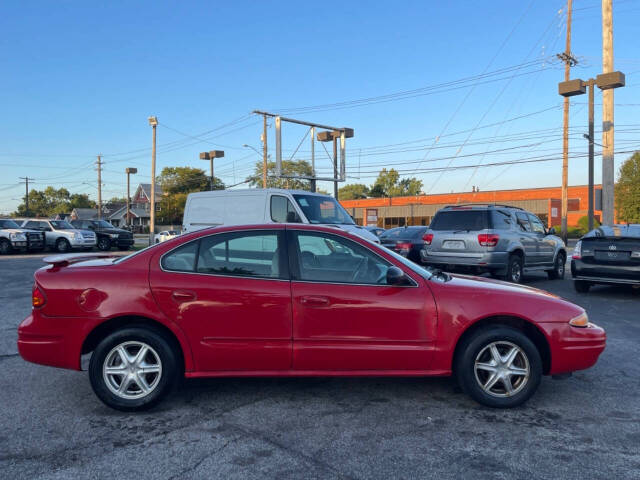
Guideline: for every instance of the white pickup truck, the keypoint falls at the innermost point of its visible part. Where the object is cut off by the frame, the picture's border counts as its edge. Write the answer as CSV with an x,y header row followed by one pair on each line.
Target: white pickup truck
x,y
12,237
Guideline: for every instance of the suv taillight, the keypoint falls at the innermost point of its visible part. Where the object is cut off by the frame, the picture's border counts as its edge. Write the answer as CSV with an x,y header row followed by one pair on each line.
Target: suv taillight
x,y
403,246
37,297
488,239
577,251
428,238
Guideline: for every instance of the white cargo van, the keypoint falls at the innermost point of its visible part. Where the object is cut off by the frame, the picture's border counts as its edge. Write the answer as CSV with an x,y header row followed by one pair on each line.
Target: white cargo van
x,y
266,205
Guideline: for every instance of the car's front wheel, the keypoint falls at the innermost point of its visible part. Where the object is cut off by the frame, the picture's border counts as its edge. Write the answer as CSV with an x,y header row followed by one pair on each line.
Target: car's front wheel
x,y
558,268
133,369
499,367
63,245
5,246
104,244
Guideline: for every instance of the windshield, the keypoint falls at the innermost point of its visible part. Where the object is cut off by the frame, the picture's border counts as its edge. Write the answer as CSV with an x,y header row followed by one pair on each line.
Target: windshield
x,y
404,232
61,225
173,232
102,224
8,224
320,209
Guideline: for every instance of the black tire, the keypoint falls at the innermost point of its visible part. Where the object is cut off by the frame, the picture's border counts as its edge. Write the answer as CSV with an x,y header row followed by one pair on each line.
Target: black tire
x,y
558,267
581,286
63,245
514,269
5,246
104,244
160,347
477,346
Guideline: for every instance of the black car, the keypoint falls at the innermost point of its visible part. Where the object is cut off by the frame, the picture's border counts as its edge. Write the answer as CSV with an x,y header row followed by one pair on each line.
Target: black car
x,y
108,235
407,241
607,255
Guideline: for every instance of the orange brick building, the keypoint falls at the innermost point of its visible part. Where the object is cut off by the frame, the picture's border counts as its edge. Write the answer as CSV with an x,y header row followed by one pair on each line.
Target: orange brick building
x,y
420,209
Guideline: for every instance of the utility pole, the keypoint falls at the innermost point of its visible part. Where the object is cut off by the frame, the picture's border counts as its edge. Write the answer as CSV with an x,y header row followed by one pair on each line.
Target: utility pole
x,y
607,116
569,60
264,151
153,121
335,164
129,171
99,164
591,84
26,194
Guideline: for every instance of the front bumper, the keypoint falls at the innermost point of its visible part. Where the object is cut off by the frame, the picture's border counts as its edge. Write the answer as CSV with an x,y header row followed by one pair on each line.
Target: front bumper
x,y
485,260
52,341
123,242
83,243
573,348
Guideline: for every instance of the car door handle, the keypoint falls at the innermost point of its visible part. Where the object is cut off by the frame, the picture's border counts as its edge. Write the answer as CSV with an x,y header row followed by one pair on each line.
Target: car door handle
x,y
314,301
182,296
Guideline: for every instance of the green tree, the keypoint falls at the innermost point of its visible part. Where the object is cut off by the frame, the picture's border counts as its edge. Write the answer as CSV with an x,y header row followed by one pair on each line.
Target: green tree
x,y
289,167
51,201
172,209
353,191
389,184
628,190
186,180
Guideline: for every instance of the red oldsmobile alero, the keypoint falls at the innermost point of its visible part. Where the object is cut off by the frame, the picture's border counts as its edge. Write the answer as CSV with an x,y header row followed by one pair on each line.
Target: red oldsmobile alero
x,y
294,300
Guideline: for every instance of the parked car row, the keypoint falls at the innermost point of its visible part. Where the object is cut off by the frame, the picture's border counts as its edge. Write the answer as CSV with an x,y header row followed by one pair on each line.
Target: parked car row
x,y
37,234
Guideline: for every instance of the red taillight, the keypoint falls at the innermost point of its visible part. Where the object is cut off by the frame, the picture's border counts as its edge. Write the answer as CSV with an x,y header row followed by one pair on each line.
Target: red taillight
x,y
403,246
37,297
488,239
427,237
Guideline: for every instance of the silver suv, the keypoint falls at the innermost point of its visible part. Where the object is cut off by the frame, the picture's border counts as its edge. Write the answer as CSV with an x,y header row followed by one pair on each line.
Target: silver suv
x,y
503,240
61,235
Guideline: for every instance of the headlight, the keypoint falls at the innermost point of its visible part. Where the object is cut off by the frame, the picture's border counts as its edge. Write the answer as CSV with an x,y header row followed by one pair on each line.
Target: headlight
x,y
113,235
77,236
18,237
581,320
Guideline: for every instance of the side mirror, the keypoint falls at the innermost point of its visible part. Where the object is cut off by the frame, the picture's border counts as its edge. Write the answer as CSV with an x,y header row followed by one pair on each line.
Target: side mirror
x,y
395,276
551,231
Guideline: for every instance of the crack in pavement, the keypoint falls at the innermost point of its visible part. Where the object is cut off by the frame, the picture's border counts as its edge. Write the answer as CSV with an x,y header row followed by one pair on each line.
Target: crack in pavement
x,y
194,467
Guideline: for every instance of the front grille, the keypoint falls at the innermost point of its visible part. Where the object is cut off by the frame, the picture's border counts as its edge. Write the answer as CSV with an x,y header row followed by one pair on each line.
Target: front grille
x,y
125,236
88,235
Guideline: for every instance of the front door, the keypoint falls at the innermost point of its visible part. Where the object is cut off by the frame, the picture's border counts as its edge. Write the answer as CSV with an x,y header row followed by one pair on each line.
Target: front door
x,y
230,294
345,316
546,245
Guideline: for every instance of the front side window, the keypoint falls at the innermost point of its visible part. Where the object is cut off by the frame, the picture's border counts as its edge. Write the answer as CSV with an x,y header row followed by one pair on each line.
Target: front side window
x,y
245,254
282,210
536,224
182,259
329,258
32,225
8,224
322,210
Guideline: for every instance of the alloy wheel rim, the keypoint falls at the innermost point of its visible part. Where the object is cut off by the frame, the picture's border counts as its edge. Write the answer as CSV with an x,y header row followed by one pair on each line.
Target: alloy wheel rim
x,y
560,265
502,369
132,370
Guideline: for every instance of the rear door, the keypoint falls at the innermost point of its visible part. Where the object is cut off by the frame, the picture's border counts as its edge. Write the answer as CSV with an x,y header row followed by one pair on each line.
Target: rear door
x,y
230,294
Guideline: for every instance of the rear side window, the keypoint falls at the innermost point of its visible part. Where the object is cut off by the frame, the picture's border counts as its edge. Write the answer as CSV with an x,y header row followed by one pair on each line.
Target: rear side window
x,y
282,210
182,259
252,254
461,220
501,220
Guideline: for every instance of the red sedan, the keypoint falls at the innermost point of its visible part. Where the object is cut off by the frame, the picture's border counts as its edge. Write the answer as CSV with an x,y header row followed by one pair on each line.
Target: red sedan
x,y
294,300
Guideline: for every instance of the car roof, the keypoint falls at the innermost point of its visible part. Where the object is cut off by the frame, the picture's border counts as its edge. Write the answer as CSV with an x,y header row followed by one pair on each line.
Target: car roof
x,y
480,206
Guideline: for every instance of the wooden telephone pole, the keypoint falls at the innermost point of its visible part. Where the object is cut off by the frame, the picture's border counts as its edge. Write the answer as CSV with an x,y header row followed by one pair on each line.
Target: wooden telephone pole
x,y
264,151
607,116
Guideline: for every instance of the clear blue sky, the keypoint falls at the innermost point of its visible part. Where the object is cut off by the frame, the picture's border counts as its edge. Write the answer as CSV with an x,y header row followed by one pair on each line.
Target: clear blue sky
x,y
79,78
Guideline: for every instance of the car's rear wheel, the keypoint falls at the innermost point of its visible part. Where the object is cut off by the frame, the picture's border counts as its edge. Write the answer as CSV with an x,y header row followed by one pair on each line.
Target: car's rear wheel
x,y
5,246
499,367
133,369
581,286
63,245
558,268
104,244
514,269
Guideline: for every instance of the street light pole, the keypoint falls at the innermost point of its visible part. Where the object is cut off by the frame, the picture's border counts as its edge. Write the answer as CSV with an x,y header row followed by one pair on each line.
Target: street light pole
x,y
210,156
153,121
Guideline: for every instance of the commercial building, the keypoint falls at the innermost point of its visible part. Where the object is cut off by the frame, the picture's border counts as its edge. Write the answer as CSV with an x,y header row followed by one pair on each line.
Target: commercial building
x,y
420,209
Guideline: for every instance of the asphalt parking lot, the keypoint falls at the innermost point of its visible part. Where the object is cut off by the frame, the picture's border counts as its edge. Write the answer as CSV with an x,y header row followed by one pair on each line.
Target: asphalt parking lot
x,y
588,426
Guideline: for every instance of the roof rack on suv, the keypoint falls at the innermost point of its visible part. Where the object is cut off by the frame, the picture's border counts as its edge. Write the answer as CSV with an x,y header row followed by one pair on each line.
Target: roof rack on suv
x,y
483,205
